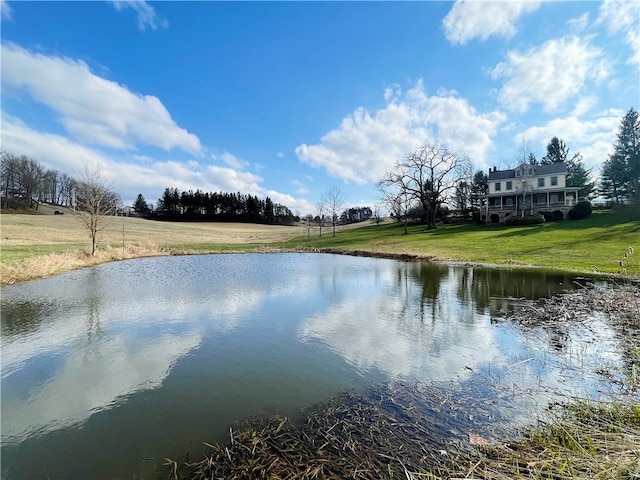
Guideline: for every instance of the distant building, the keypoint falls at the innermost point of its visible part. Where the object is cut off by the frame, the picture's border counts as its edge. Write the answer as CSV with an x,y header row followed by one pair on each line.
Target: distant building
x,y
358,214
528,189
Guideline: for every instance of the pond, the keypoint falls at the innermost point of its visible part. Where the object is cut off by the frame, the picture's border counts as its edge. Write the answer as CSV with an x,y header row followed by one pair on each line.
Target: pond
x,y
108,370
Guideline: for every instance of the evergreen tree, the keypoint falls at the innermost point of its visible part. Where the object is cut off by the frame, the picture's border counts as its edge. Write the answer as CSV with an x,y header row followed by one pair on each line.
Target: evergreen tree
x,y
621,172
140,205
577,174
268,210
479,188
462,197
557,152
610,182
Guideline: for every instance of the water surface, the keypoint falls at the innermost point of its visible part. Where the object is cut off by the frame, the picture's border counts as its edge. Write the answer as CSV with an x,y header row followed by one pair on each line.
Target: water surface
x,y
108,370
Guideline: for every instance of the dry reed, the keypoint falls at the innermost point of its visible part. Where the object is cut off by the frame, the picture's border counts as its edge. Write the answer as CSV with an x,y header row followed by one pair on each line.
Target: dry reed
x,y
409,432
43,266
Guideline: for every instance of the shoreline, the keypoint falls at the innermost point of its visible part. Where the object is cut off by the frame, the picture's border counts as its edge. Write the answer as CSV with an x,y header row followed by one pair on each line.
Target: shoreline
x,y
48,265
39,246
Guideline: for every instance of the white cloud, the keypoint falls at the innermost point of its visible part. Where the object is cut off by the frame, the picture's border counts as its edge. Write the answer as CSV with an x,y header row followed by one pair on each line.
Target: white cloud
x,y
550,75
147,16
93,109
366,144
621,16
577,25
138,173
5,10
593,137
469,19
54,151
301,188
233,161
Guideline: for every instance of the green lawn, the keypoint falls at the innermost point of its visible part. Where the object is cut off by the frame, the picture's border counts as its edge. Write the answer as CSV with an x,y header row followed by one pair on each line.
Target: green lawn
x,y
601,240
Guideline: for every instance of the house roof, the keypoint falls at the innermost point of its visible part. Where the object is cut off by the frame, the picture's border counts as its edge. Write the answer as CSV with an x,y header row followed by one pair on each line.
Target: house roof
x,y
538,170
501,174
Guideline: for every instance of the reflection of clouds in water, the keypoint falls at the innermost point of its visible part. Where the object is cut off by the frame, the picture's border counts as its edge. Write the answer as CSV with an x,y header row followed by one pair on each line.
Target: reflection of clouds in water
x,y
444,338
95,336
92,379
223,310
403,335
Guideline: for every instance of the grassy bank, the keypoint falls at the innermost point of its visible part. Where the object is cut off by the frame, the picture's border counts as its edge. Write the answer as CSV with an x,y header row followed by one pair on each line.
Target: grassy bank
x,y
600,240
35,246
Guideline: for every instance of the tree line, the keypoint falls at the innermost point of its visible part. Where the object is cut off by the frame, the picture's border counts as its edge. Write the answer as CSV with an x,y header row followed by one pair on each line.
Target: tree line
x,y
197,205
25,183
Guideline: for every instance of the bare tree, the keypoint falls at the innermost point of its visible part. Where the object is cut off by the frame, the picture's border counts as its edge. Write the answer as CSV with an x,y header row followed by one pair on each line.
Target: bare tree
x,y
22,180
308,219
319,211
333,198
30,173
49,190
397,201
377,209
96,201
427,175
10,187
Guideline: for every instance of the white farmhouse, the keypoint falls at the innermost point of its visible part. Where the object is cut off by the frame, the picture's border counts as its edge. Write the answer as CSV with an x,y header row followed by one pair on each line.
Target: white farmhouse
x,y
528,189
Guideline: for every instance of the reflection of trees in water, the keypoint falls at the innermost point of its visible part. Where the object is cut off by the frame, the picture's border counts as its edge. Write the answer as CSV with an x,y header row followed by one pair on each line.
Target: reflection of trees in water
x,y
94,329
429,312
478,288
418,287
439,297
496,288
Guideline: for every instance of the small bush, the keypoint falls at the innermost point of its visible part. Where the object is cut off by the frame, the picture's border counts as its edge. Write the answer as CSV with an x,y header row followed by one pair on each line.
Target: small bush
x,y
548,216
582,210
515,220
554,216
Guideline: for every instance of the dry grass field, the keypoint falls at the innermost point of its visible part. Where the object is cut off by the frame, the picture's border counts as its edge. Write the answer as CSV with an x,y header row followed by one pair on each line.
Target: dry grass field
x,y
43,244
45,228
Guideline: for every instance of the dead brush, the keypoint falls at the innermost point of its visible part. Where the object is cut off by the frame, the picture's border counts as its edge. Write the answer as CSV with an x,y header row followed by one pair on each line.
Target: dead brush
x,y
579,440
42,266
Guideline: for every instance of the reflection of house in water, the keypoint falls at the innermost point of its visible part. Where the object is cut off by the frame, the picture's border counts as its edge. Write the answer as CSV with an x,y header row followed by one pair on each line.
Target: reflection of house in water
x,y
528,189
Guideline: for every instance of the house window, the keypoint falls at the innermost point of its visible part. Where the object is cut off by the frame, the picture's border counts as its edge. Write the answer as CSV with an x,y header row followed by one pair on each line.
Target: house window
x,y
541,198
509,185
555,198
554,181
508,202
541,182
498,186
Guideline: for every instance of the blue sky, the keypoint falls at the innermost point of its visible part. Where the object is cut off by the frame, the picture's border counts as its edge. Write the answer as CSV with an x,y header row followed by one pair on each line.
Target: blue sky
x,y
285,99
